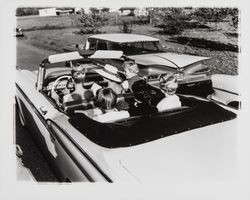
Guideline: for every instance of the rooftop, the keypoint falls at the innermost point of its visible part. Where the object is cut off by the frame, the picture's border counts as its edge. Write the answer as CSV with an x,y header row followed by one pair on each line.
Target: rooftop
x,y
124,37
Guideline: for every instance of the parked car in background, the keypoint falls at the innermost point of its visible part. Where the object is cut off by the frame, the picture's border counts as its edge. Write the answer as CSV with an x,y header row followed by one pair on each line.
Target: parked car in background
x,y
193,74
19,32
194,141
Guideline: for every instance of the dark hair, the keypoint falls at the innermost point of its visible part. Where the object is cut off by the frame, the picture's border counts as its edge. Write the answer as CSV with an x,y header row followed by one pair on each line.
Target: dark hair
x,y
146,93
107,98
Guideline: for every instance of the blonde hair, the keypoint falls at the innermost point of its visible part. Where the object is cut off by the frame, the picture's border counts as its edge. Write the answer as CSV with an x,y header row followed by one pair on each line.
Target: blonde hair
x,y
166,79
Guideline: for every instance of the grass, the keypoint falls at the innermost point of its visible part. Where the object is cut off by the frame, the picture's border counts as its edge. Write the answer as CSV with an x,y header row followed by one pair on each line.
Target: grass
x,y
225,61
35,22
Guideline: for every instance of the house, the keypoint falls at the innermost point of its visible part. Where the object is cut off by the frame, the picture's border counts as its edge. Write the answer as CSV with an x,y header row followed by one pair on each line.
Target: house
x,y
133,11
54,12
47,12
127,11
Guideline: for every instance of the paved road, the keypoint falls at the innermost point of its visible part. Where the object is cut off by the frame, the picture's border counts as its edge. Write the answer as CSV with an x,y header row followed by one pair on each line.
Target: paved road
x,y
27,58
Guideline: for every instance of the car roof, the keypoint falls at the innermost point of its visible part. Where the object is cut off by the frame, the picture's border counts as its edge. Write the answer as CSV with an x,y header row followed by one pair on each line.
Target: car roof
x,y
124,37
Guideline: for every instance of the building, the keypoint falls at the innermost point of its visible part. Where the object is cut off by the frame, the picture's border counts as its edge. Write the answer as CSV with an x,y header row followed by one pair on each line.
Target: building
x,y
54,12
127,11
47,12
133,11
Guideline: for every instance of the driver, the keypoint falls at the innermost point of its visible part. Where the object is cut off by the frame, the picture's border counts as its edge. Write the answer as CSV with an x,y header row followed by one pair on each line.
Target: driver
x,y
80,93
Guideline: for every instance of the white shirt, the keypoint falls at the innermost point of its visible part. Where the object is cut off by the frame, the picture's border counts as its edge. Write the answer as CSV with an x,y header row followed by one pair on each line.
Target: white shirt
x,y
112,116
170,101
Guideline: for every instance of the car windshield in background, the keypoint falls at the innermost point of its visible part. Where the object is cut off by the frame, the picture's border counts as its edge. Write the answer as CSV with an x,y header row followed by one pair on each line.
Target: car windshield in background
x,y
136,47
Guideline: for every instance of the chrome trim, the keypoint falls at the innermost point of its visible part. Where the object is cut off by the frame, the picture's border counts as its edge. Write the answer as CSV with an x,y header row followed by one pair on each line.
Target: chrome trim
x,y
223,90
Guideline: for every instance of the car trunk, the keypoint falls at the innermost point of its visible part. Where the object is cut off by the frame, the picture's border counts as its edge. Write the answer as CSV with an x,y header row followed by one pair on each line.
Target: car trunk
x,y
148,127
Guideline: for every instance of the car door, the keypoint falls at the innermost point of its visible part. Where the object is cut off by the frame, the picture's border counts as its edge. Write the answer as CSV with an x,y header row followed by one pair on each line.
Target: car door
x,y
38,113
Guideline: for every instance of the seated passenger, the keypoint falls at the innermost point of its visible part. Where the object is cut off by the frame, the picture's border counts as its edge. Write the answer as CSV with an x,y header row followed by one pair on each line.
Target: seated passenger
x,y
131,71
168,85
80,93
107,100
110,74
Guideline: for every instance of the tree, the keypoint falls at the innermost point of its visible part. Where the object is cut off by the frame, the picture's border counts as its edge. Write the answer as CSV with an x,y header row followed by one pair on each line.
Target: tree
x,y
88,24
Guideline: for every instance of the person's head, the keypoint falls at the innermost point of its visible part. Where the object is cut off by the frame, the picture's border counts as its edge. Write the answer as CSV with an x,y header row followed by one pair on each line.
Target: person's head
x,y
107,98
78,73
131,68
110,73
168,83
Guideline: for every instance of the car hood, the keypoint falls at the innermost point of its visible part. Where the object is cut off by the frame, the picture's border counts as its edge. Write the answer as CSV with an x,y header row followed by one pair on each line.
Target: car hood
x,y
201,154
167,59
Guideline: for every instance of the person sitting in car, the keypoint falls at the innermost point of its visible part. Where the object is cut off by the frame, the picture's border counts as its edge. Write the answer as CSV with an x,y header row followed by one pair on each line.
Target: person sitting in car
x,y
80,93
131,71
110,74
107,100
168,85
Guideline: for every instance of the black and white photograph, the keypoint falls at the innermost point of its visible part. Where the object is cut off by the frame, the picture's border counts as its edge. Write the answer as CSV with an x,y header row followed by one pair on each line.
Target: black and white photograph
x,y
148,97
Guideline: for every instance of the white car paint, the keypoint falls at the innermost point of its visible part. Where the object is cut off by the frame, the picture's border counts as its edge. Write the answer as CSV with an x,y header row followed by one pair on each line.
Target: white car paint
x,y
124,37
226,88
168,59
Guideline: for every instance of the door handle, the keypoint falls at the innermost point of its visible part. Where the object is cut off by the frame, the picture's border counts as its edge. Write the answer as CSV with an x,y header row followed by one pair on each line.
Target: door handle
x,y
43,110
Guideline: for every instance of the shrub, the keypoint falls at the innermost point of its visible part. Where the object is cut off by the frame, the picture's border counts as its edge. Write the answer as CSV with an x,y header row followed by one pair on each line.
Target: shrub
x,y
126,26
88,24
214,14
174,21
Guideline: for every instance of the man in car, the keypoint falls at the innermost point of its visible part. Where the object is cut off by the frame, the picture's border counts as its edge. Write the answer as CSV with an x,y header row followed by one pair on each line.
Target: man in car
x,y
131,71
168,85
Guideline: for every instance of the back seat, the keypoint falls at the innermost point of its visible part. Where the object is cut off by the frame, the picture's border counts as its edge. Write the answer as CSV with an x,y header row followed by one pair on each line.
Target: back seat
x,y
71,106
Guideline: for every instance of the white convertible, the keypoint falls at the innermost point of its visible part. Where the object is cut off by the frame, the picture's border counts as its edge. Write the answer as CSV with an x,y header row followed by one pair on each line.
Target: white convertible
x,y
195,141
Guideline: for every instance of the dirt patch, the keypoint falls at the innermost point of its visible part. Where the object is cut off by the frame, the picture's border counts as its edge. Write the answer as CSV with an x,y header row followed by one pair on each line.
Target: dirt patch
x,y
203,43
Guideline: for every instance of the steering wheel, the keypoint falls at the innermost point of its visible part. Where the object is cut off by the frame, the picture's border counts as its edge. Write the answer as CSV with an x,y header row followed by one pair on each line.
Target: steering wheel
x,y
59,79
54,94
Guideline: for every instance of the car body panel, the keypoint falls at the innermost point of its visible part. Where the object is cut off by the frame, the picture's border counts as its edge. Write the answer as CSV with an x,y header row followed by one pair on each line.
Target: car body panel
x,y
225,89
207,153
124,38
168,59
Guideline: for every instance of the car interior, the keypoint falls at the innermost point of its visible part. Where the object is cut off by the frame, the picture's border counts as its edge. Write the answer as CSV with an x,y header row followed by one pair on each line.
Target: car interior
x,y
58,79
144,118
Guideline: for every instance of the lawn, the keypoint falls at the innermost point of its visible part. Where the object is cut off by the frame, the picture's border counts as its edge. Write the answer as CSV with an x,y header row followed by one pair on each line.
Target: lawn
x,y
54,33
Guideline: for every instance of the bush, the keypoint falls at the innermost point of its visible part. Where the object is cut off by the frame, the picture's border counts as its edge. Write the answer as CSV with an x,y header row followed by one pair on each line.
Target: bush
x,y
88,24
22,11
126,26
174,21
214,14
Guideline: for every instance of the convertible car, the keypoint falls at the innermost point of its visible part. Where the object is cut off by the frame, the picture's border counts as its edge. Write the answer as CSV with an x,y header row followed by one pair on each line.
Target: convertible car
x,y
194,141
153,60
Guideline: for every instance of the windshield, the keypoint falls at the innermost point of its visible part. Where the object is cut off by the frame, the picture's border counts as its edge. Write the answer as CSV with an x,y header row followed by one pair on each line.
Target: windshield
x,y
141,129
136,47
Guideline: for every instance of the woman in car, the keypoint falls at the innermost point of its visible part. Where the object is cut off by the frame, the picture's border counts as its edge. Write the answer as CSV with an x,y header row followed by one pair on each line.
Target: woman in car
x,y
110,74
107,100
168,85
